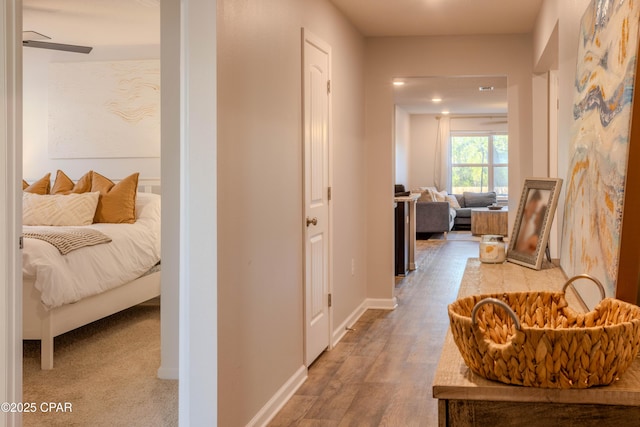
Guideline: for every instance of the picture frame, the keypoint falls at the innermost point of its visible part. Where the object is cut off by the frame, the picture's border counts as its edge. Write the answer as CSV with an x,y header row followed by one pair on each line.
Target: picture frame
x,y
530,236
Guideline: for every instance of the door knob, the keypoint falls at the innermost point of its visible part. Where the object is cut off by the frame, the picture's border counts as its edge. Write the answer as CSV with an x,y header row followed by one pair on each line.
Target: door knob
x,y
313,221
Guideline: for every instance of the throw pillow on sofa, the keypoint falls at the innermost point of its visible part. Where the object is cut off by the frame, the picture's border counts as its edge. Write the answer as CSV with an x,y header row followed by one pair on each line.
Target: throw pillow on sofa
x,y
440,196
453,201
479,200
426,194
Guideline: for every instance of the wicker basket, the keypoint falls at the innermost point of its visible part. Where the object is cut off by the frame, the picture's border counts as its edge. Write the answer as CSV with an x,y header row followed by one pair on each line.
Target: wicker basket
x,y
536,340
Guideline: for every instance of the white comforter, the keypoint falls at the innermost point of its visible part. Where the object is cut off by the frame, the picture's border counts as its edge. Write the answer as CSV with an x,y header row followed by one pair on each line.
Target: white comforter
x,y
64,279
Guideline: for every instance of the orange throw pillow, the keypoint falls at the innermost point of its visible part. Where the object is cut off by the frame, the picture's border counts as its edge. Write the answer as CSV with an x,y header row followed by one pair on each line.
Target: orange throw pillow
x,y
117,203
41,186
64,185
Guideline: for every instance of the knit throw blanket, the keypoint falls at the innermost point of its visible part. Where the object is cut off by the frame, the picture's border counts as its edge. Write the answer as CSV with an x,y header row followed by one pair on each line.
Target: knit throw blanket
x,y
67,239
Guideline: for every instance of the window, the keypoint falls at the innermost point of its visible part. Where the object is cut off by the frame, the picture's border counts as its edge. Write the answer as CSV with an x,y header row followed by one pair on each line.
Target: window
x,y
480,162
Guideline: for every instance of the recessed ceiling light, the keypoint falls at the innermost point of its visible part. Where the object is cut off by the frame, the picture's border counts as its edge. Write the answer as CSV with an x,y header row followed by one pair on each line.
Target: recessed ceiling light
x,y
485,88
398,83
445,112
436,99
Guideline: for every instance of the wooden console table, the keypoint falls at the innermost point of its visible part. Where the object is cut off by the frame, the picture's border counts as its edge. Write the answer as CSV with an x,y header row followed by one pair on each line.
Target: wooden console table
x,y
466,399
487,221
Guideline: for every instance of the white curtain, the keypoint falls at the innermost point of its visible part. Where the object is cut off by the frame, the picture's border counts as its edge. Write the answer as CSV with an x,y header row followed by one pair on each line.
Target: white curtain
x,y
441,158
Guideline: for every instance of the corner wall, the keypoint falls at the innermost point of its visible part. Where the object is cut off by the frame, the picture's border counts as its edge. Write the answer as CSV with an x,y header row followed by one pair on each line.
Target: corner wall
x,y
556,35
391,57
260,206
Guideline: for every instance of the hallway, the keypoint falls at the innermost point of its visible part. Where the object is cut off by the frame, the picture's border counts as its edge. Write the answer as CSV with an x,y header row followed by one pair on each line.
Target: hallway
x,y
380,374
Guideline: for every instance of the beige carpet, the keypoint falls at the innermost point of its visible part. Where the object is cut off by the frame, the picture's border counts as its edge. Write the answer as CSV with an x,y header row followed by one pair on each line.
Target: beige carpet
x,y
107,372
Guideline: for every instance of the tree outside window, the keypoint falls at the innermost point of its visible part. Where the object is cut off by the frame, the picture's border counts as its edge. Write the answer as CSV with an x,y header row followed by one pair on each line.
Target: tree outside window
x,y
479,163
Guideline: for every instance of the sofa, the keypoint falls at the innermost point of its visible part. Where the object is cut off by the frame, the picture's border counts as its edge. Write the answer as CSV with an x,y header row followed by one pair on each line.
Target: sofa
x,y
433,215
439,212
467,201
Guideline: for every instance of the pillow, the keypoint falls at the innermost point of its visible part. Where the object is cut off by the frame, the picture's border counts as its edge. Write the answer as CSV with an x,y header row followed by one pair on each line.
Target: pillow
x,y
147,205
117,203
425,194
41,186
440,196
479,200
453,201
58,209
64,185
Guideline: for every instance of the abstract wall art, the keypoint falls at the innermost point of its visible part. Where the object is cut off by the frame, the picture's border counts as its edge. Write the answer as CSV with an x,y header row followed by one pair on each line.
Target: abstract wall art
x,y
104,109
596,178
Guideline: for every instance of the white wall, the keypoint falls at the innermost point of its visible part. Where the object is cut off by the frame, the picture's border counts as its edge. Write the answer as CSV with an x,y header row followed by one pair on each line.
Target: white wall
x,y
424,128
403,147
260,206
36,161
198,210
556,36
435,56
170,134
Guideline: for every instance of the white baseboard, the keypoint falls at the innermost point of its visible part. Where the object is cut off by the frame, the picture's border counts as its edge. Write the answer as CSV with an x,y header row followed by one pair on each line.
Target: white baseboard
x,y
283,395
279,399
382,303
369,303
341,330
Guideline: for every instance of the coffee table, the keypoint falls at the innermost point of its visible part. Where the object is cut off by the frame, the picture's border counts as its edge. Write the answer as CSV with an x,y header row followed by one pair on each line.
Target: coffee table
x,y
487,221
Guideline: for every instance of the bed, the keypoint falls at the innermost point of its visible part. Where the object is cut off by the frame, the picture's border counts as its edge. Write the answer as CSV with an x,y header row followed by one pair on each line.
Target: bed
x,y
64,292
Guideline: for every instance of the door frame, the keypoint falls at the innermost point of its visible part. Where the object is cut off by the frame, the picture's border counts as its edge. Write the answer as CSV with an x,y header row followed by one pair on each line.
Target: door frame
x,y
197,305
10,217
312,38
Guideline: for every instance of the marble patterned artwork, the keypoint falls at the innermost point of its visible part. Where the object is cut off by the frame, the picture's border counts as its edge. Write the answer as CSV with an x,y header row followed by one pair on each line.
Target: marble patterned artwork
x,y
104,109
604,90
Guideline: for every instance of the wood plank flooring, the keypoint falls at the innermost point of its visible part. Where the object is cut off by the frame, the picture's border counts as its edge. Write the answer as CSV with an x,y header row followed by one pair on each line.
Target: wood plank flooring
x,y
381,373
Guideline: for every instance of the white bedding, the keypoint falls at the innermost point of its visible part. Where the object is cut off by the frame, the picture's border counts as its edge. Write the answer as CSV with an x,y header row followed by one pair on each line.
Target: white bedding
x,y
64,279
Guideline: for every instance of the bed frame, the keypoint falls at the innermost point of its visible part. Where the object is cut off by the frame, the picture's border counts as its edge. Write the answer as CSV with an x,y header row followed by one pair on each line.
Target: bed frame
x,y
45,325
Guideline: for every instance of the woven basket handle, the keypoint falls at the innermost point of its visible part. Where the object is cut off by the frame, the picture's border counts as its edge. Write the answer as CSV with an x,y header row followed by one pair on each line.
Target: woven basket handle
x,y
497,302
585,276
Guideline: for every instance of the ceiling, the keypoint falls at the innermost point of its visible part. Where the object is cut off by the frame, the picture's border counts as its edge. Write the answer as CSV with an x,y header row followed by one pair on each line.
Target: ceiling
x,y
386,18
382,18
460,95
137,22
94,22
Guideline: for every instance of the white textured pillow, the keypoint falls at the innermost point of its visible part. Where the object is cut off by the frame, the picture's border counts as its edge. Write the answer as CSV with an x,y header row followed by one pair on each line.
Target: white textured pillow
x,y
147,205
440,196
453,202
425,194
60,210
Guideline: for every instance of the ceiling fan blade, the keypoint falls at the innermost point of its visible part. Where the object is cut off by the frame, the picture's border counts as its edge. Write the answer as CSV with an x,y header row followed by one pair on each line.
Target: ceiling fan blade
x,y
34,35
57,46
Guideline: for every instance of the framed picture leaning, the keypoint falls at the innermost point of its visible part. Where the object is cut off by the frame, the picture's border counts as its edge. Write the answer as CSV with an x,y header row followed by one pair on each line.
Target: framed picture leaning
x,y
532,226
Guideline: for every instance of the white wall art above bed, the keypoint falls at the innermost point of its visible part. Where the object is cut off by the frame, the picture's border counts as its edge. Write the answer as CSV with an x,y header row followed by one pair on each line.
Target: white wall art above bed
x,y
104,109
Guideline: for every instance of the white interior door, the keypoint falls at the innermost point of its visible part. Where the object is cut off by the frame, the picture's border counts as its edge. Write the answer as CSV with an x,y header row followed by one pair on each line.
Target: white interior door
x,y
316,82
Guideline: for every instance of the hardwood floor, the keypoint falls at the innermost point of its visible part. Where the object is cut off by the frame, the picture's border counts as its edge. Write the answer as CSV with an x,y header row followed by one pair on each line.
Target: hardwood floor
x,y
380,374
